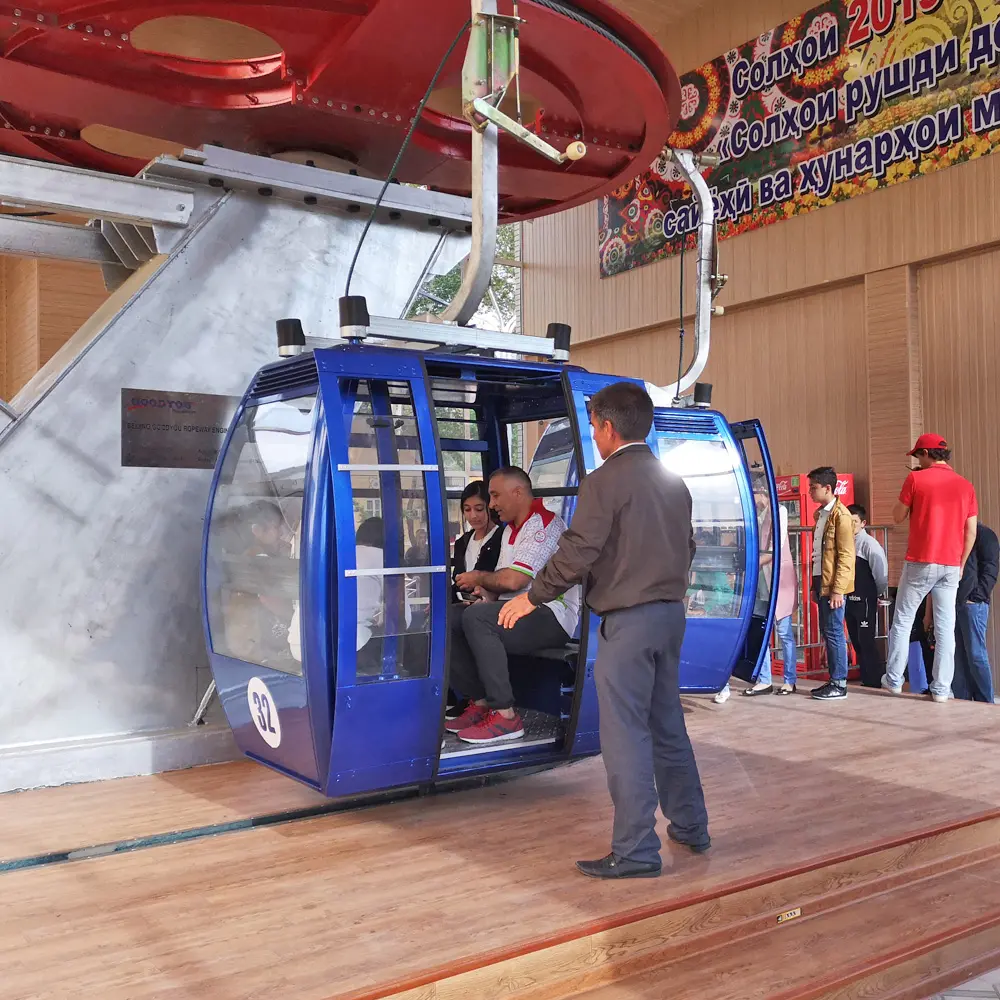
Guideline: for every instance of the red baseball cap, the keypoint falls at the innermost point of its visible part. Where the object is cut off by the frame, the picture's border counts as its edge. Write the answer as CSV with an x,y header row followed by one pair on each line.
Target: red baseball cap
x,y
928,441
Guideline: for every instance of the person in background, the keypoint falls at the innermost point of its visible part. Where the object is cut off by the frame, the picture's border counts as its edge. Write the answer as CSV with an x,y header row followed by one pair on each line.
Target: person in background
x,y
922,634
717,603
784,608
418,585
379,614
973,677
871,581
943,514
833,576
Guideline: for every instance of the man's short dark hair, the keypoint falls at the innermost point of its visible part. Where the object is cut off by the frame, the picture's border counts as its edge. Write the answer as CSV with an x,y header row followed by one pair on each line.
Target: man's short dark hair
x,y
825,475
627,407
936,454
859,509
371,532
518,475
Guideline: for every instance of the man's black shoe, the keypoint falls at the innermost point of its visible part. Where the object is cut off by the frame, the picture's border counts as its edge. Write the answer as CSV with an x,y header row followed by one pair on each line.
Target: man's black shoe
x,y
829,691
455,708
615,867
699,847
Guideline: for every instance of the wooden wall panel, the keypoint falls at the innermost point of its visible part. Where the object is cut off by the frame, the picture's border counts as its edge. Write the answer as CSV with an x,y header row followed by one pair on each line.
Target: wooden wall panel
x,y
21,308
959,301
939,215
69,294
797,364
42,304
895,392
715,27
944,213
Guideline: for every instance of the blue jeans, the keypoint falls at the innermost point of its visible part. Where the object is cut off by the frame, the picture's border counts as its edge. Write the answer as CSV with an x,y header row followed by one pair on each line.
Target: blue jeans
x,y
783,630
916,582
831,624
973,678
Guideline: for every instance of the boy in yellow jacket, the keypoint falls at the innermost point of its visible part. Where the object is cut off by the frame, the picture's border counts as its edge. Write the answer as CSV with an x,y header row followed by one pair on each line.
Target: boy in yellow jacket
x,y
833,575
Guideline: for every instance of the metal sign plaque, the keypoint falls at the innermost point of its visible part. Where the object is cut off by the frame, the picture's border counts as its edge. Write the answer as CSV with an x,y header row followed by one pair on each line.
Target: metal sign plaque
x,y
174,430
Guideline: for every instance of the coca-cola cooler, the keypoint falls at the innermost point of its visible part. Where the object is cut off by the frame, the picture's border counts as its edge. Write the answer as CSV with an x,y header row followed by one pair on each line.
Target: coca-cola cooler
x,y
793,495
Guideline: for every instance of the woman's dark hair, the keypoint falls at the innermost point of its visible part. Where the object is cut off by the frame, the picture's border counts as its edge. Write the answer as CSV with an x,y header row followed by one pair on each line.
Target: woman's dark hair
x,y
825,475
478,490
371,532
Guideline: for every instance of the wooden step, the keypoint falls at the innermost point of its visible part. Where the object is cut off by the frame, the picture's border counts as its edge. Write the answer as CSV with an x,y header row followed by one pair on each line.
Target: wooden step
x,y
726,931
911,940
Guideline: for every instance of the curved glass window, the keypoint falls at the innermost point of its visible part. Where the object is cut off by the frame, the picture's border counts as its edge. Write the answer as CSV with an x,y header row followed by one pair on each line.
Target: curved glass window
x,y
718,571
255,535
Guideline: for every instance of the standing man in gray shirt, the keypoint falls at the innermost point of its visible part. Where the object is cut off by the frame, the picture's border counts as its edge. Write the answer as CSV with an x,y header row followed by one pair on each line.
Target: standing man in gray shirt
x,y
632,541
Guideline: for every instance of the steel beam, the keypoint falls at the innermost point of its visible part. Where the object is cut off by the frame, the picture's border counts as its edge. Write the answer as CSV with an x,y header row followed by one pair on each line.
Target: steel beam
x,y
321,189
31,184
35,238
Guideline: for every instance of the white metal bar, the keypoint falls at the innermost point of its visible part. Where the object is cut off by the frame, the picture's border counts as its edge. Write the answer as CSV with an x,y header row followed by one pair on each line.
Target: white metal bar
x,y
56,240
687,164
206,700
485,208
459,336
86,192
397,571
388,468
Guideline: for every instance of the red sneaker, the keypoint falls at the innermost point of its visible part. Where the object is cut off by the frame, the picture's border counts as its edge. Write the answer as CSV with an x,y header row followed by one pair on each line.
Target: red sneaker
x,y
472,716
493,728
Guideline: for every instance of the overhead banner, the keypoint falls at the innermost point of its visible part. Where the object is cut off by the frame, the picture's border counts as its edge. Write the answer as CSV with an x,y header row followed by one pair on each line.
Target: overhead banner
x,y
851,97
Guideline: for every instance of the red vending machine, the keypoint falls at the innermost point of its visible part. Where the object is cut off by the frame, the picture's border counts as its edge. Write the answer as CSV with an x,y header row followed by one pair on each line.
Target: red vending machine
x,y
793,495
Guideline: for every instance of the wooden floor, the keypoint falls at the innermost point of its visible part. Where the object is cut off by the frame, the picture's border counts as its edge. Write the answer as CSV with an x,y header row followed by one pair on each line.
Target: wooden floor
x,y
409,898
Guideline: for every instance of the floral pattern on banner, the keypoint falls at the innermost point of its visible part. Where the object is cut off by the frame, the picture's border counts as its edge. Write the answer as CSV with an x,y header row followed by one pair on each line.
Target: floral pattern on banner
x,y
631,218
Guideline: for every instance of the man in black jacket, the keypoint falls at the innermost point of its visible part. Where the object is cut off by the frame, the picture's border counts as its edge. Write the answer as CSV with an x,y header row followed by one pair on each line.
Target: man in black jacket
x,y
973,679
632,541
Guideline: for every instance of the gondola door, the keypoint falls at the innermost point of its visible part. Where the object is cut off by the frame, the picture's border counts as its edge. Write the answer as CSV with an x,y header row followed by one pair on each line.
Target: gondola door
x,y
391,559
579,388
750,438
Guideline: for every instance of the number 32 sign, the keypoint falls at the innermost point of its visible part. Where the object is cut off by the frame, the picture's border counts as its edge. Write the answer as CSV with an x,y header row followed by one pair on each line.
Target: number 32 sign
x,y
263,712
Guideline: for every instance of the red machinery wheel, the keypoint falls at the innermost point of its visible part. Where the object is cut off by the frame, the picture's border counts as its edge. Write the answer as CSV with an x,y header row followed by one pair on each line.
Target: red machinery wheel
x,y
108,83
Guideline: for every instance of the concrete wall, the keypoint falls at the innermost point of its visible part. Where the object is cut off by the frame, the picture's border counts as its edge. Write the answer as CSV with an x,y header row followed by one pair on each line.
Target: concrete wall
x,y
103,657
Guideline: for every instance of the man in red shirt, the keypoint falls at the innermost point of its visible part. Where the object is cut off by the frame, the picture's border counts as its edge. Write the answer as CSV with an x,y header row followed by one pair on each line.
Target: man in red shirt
x,y
941,506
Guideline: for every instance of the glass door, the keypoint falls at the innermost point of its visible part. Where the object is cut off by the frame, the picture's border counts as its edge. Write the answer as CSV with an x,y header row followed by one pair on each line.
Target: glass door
x,y
750,438
579,388
391,568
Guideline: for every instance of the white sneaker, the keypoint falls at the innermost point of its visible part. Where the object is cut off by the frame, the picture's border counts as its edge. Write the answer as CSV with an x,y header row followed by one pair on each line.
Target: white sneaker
x,y
722,697
888,687
941,699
